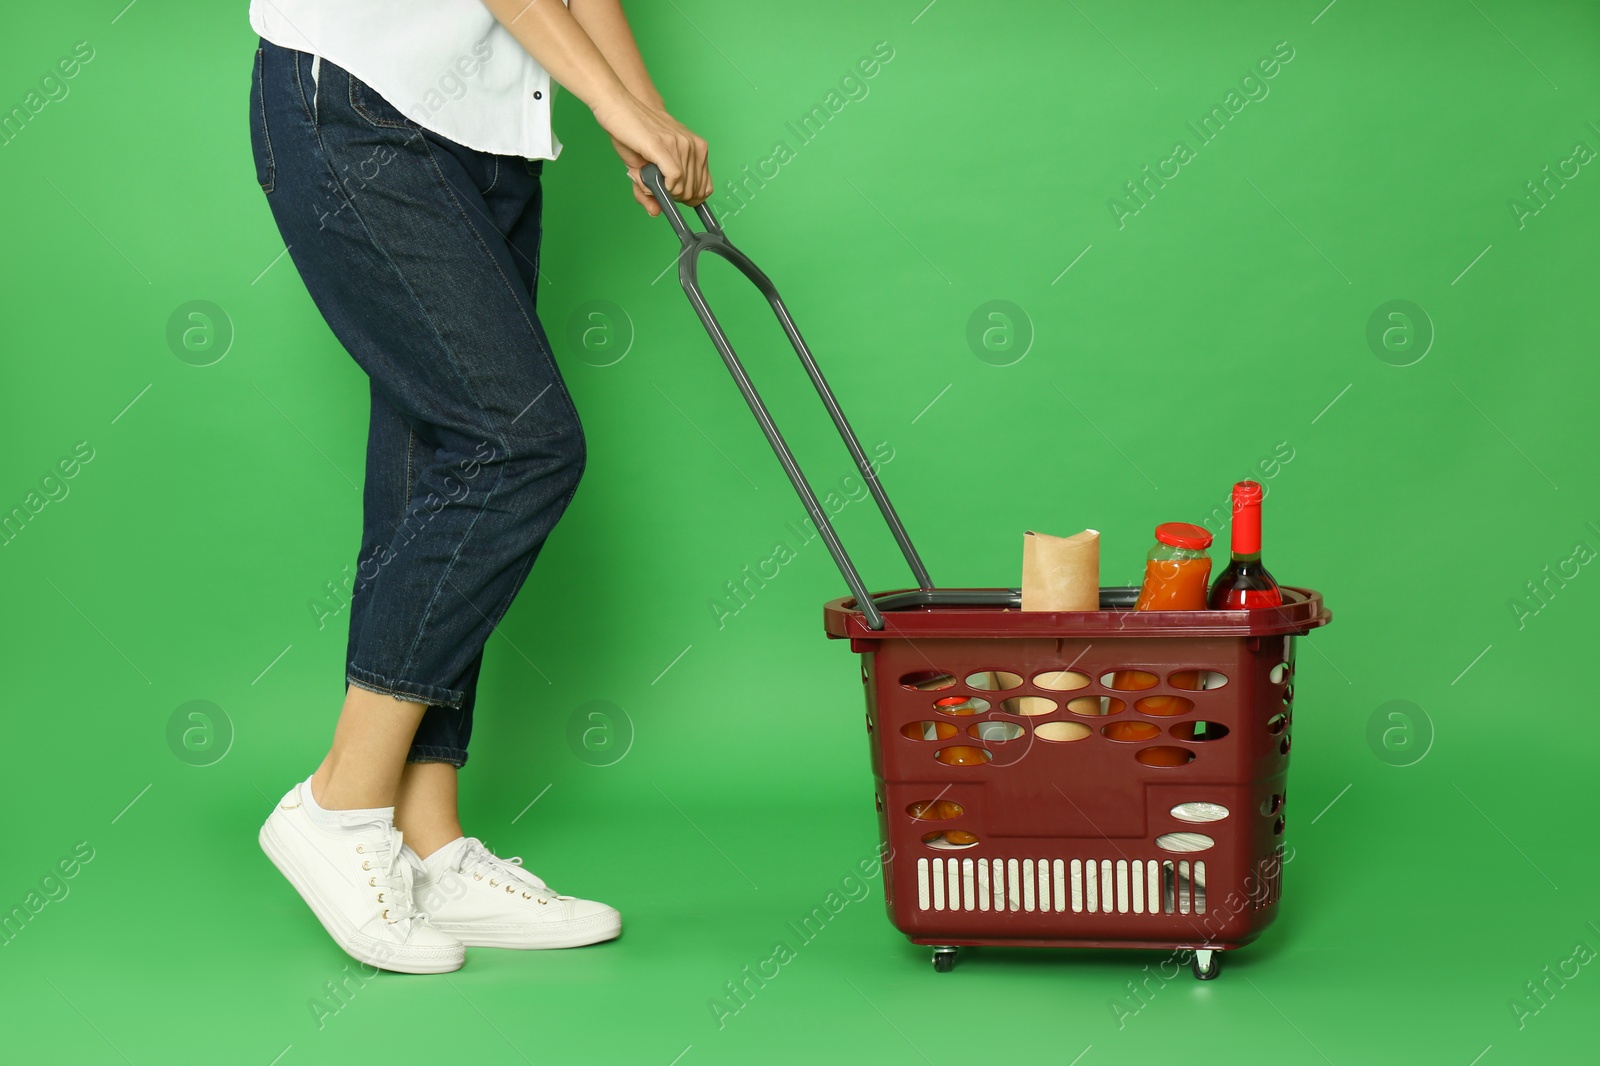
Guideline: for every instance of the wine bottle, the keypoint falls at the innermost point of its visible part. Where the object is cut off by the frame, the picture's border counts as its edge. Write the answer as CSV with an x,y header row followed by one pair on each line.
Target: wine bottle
x,y
1245,583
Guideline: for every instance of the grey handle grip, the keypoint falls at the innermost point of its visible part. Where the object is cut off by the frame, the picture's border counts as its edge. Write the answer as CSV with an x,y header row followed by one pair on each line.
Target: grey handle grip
x,y
712,239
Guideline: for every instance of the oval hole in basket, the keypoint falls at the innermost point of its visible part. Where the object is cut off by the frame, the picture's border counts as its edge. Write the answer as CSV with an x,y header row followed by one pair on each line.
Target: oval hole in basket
x,y
962,755
1277,723
1283,749
928,730
1164,755
1166,706
1277,827
1184,842
1096,705
1028,705
1199,811
993,680
1061,732
995,731
1279,672
961,705
1197,680
1199,731
1271,804
1130,731
928,679
949,840
934,810
1061,680
1129,680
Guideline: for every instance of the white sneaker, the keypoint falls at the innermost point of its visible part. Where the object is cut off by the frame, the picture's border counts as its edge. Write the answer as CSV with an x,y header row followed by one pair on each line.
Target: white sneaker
x,y
486,901
358,882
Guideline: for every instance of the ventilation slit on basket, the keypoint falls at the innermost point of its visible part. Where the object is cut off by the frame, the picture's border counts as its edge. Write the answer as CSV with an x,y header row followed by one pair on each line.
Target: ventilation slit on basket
x,y
1027,884
922,884
1152,899
1138,886
1061,680
1091,886
927,680
1122,886
928,730
1059,869
1199,811
999,884
938,884
1185,885
1044,885
1105,885
968,900
1199,886
983,884
995,731
961,705
953,872
1077,886
1169,888
1013,887
1184,842
993,680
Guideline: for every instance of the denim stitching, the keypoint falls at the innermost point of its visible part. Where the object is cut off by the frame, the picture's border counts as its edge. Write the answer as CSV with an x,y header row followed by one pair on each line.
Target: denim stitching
x,y
451,697
299,83
360,109
496,180
435,753
266,134
411,478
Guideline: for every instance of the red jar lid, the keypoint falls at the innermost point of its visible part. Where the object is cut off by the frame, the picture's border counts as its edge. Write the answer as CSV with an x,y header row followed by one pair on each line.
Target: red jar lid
x,y
1183,535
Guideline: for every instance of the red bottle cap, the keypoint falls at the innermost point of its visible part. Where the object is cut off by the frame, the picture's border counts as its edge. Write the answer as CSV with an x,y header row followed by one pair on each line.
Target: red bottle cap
x,y
1183,535
1247,496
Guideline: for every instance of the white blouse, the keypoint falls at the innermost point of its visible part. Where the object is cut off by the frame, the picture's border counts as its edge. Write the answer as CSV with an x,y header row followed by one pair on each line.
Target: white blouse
x,y
447,65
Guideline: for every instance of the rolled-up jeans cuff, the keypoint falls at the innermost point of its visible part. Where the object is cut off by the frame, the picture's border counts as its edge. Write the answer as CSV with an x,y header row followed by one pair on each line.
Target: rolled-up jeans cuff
x,y
457,757
432,695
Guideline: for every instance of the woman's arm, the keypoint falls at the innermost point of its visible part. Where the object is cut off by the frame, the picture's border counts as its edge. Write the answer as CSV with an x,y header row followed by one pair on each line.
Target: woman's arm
x,y
608,28
638,125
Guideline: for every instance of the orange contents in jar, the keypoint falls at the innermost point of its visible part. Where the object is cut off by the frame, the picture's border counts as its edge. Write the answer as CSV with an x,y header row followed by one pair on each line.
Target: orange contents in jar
x,y
1174,585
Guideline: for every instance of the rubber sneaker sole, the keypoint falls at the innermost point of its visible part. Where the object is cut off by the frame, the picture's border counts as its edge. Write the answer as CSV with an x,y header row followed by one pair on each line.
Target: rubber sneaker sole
x,y
575,934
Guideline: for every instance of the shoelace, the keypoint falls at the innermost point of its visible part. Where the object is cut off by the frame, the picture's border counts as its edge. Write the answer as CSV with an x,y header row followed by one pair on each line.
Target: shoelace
x,y
391,874
476,855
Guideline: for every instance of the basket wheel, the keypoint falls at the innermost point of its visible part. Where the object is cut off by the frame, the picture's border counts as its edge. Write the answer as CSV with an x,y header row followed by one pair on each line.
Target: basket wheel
x,y
944,959
1206,964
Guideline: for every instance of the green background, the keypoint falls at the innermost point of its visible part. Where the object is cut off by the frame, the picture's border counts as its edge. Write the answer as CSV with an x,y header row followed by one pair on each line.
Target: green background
x,y
1226,319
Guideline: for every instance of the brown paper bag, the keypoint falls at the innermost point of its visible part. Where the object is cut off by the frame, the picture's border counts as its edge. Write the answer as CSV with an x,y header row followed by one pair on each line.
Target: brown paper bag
x,y
1061,573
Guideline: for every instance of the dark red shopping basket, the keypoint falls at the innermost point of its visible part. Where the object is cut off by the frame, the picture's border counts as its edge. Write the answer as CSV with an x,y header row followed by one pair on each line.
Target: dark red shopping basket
x,y
1103,778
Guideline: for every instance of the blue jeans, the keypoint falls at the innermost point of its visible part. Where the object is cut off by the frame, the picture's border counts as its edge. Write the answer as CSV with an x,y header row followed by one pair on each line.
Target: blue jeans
x,y
423,257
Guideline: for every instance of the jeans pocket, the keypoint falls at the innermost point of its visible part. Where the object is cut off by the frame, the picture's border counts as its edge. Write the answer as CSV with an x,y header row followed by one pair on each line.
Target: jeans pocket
x,y
370,105
260,136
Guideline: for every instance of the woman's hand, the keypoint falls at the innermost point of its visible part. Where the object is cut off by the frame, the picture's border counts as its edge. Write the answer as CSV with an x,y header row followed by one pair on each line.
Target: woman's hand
x,y
642,134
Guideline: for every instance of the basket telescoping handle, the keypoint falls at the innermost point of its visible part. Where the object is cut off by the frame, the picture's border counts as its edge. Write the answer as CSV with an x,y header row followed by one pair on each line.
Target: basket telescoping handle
x,y
712,239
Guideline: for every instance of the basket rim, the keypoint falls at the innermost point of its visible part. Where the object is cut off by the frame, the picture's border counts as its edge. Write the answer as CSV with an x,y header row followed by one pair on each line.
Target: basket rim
x,y
1302,611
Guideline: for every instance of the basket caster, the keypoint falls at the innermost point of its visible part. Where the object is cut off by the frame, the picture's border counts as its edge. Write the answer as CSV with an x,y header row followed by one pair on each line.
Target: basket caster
x,y
1206,964
944,959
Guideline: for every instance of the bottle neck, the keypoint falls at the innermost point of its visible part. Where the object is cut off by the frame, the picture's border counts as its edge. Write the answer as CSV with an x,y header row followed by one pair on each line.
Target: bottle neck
x,y
1247,530
1247,560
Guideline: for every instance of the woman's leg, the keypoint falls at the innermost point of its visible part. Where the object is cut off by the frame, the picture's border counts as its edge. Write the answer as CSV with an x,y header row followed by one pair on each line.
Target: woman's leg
x,y
425,807
405,252
363,768
408,262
